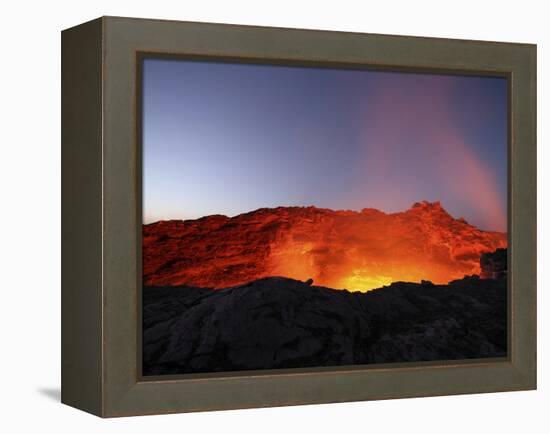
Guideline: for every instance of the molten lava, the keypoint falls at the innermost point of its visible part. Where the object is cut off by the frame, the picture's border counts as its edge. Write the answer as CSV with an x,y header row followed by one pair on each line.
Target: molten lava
x,y
358,251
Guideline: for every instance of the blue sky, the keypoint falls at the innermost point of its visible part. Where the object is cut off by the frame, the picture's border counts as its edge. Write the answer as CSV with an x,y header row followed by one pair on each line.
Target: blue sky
x,y
222,138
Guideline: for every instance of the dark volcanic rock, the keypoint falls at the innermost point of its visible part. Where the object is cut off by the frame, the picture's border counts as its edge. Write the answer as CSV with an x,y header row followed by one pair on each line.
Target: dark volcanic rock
x,y
284,323
494,265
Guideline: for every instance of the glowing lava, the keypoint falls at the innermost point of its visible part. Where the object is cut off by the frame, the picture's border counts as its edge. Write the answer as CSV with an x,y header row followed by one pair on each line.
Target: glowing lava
x,y
338,249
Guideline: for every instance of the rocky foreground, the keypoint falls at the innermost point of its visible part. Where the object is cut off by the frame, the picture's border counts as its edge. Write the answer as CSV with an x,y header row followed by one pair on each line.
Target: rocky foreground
x,y
278,322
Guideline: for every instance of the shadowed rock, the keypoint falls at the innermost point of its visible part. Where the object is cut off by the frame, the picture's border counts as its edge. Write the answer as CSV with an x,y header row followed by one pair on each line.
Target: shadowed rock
x,y
284,323
494,265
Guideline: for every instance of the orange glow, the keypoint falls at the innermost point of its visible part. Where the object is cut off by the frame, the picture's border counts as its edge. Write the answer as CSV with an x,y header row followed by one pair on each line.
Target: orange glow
x,y
367,250
350,250
363,280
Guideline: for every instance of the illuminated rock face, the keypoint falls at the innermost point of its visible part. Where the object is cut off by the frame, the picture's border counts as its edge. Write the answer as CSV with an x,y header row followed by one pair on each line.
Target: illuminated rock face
x,y
338,249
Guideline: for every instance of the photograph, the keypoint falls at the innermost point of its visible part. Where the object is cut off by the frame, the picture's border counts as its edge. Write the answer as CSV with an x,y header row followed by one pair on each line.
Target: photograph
x,y
305,216
280,217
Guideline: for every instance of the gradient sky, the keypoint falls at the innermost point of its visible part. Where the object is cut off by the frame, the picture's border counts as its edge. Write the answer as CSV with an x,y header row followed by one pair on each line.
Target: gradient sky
x,y
222,138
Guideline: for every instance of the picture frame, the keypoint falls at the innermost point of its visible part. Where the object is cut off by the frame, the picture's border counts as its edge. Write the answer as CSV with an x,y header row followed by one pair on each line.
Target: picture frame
x,y
101,217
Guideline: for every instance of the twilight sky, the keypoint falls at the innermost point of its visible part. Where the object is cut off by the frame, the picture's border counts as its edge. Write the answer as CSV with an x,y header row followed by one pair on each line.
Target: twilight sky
x,y
221,138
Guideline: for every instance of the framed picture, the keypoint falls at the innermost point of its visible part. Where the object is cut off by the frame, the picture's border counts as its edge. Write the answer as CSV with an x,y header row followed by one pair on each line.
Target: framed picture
x,y
261,217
